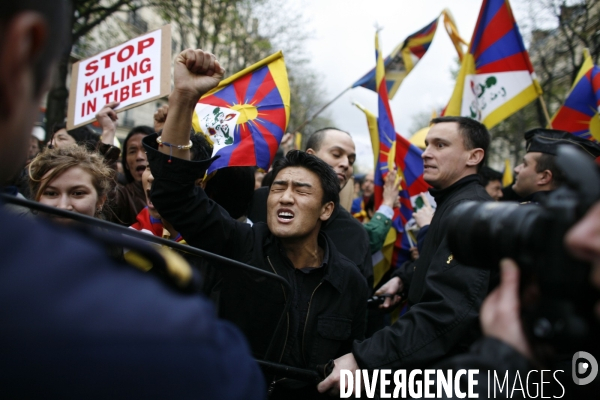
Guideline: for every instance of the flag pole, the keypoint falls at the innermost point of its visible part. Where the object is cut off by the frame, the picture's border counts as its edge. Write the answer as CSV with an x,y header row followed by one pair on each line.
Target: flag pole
x,y
309,120
543,103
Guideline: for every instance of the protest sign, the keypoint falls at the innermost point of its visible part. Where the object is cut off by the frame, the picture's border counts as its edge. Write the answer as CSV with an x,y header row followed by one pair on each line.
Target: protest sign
x,y
134,73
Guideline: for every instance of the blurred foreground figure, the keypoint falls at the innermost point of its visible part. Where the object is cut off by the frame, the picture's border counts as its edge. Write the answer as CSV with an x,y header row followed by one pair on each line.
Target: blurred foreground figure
x,y
75,323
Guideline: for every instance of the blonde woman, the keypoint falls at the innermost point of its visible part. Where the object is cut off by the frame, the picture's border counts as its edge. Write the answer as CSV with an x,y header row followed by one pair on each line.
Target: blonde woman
x,y
72,179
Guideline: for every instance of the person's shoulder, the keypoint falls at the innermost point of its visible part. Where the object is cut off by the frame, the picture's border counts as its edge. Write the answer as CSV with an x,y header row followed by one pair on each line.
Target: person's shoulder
x,y
342,219
470,192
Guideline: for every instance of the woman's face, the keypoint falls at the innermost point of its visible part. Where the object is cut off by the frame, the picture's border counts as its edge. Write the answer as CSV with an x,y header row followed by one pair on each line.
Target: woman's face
x,y
72,190
62,139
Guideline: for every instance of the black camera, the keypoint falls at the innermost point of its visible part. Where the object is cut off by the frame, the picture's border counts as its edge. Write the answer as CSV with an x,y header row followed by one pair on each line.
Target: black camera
x,y
557,298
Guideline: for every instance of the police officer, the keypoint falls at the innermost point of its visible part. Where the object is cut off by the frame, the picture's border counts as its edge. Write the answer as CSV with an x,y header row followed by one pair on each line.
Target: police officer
x,y
538,173
75,323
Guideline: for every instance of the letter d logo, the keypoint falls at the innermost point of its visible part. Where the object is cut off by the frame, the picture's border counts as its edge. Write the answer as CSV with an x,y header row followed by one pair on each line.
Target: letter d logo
x,y
583,367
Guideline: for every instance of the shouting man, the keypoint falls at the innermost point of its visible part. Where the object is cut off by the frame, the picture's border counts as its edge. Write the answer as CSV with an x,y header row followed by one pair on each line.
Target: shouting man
x,y
328,294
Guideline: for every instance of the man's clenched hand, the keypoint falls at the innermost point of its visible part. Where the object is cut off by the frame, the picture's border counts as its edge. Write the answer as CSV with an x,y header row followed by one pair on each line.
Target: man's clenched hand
x,y
196,72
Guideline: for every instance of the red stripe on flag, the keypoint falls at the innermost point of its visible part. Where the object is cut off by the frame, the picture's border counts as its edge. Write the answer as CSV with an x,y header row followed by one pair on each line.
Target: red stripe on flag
x,y
418,51
272,142
571,120
267,85
275,116
215,101
244,153
241,86
516,62
499,26
401,152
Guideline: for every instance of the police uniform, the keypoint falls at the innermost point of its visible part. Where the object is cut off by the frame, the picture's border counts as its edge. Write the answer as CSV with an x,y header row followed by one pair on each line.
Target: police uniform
x,y
78,324
547,141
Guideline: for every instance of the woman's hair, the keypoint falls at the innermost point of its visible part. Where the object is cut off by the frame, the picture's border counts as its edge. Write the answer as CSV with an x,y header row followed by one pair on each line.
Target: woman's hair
x,y
60,160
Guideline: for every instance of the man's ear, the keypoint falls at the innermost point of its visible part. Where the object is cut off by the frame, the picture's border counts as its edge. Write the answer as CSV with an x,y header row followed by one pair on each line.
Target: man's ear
x,y
24,41
545,177
475,157
310,151
326,211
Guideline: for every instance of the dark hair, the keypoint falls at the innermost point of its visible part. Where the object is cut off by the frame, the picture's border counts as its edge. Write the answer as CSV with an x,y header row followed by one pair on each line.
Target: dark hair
x,y
84,135
232,188
58,126
201,149
329,181
145,130
487,175
546,162
475,134
56,13
316,139
268,179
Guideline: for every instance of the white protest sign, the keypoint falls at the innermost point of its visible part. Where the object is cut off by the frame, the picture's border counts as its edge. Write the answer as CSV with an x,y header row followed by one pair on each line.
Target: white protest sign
x,y
133,73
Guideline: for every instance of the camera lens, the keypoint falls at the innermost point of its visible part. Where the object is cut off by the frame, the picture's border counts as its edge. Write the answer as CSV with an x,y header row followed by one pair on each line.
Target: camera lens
x,y
481,234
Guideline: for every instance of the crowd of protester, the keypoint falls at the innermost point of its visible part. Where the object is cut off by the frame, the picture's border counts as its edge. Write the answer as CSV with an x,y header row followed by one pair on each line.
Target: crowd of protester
x,y
85,311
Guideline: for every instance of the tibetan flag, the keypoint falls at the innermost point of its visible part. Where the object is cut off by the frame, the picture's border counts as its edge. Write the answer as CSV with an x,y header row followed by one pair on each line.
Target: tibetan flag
x,y
410,168
246,115
402,60
396,248
385,127
579,114
496,77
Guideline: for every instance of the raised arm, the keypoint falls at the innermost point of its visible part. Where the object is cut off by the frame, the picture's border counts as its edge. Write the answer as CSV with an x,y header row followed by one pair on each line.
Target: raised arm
x,y
195,73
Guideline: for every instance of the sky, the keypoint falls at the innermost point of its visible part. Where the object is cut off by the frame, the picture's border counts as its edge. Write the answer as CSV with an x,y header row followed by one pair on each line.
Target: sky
x,y
342,50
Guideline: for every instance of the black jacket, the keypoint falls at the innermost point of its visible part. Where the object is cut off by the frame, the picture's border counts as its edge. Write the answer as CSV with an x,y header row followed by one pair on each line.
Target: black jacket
x,y
349,236
89,327
337,308
444,297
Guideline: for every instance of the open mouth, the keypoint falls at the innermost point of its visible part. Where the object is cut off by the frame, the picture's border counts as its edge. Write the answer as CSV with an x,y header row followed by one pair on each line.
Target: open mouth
x,y
140,169
285,216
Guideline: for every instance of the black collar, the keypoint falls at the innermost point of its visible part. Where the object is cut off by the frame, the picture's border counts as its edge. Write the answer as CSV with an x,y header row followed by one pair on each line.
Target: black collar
x,y
335,272
442,194
536,197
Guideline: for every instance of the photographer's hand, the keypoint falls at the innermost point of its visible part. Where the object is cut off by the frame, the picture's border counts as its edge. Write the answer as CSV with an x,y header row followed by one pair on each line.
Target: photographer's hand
x,y
392,287
196,72
501,311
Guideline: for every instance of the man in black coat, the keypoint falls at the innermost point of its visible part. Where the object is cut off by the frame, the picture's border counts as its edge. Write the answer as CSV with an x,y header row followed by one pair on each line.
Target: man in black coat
x,y
328,295
77,324
444,296
337,149
538,174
